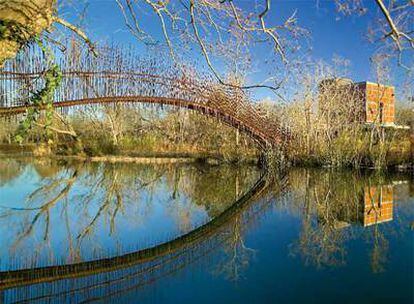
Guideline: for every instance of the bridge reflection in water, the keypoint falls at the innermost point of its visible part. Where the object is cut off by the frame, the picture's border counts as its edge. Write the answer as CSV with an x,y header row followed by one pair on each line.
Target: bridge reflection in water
x,y
131,270
323,201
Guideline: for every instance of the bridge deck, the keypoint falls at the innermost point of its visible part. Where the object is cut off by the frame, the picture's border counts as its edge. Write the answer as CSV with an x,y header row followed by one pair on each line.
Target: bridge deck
x,y
120,77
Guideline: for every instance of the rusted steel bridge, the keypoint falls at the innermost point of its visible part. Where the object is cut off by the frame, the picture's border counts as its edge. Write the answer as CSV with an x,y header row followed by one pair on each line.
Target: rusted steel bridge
x,y
120,77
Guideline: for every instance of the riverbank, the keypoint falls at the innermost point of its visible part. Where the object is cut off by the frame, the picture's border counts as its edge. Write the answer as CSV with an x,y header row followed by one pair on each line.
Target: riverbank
x,y
42,151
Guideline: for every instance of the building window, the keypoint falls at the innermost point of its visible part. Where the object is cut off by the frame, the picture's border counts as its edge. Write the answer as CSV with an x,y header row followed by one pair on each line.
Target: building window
x,y
381,112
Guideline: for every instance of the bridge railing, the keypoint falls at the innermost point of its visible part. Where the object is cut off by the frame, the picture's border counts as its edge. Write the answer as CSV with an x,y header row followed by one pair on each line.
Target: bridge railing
x,y
117,76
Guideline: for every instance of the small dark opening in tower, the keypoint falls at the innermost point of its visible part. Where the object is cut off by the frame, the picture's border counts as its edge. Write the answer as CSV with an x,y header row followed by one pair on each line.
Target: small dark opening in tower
x,y
381,112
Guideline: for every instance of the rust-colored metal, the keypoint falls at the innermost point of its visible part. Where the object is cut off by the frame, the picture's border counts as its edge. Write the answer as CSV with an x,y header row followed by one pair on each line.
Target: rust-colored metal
x,y
119,77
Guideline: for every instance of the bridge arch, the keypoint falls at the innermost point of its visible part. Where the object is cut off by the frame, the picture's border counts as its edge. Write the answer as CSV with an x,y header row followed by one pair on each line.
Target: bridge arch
x,y
256,135
121,76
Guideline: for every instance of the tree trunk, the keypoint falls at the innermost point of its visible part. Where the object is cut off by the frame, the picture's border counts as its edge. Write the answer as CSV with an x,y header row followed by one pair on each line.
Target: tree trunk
x,y
21,21
412,141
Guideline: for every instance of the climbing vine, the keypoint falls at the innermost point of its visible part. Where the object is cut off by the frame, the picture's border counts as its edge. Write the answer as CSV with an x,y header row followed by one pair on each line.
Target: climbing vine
x,y
43,98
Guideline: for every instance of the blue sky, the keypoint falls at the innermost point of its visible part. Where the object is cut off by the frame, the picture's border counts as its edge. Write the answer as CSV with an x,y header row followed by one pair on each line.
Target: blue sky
x,y
332,34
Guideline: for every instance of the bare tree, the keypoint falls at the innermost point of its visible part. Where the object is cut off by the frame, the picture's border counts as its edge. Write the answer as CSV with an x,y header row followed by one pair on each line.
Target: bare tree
x,y
392,30
218,28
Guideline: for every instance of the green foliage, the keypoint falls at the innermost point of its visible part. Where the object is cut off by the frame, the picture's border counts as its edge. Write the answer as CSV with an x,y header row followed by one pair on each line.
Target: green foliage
x,y
41,99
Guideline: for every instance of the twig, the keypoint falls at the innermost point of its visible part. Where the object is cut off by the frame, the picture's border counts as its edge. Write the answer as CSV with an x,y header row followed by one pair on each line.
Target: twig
x,y
77,31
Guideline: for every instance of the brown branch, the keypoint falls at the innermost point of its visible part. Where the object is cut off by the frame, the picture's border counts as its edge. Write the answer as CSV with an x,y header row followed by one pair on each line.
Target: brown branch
x,y
208,61
136,30
71,133
395,32
269,31
77,31
158,11
278,46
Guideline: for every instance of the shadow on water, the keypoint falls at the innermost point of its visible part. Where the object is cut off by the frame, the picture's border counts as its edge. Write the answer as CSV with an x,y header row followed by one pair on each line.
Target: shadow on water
x,y
333,208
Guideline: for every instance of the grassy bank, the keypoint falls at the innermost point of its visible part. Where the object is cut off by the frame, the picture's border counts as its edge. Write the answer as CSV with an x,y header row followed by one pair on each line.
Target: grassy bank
x,y
130,132
123,132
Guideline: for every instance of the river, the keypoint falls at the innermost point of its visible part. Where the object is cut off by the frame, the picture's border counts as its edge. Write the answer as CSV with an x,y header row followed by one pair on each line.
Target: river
x,y
74,231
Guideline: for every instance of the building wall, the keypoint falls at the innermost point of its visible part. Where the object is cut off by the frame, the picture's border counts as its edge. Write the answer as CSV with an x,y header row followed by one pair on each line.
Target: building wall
x,y
377,102
375,97
378,205
340,98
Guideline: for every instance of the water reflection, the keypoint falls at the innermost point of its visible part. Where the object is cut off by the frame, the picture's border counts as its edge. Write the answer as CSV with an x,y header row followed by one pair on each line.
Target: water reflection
x,y
337,205
54,213
335,221
378,204
137,269
9,170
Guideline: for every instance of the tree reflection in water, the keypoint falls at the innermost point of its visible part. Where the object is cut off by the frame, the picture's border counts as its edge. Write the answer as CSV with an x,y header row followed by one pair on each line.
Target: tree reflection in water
x,y
332,208
237,254
339,206
82,202
9,170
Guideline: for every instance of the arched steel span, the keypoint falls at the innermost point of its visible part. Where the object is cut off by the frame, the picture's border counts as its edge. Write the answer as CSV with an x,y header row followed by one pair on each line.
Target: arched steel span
x,y
120,77
257,135
19,278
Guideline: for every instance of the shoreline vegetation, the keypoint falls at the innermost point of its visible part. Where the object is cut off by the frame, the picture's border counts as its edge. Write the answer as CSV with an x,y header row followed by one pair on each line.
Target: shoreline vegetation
x,y
323,117
168,157
115,133
189,137
32,151
119,133
37,152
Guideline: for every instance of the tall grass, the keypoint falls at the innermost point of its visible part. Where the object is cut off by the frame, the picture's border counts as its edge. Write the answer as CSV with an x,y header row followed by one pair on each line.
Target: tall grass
x,y
327,129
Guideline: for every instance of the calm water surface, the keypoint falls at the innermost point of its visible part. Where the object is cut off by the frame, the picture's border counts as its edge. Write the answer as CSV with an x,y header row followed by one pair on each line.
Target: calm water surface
x,y
74,232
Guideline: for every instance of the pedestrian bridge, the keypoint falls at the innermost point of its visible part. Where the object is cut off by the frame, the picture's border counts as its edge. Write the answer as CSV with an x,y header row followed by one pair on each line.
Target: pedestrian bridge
x,y
120,77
